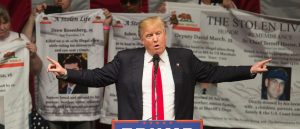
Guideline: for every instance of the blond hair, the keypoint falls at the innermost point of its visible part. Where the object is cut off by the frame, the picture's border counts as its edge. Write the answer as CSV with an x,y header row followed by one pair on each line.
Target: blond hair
x,y
150,21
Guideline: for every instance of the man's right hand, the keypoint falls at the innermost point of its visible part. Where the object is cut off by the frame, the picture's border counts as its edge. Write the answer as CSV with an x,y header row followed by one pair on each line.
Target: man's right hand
x,y
56,68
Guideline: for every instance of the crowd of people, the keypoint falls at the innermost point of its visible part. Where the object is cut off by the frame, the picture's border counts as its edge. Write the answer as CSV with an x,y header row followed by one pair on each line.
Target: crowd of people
x,y
153,37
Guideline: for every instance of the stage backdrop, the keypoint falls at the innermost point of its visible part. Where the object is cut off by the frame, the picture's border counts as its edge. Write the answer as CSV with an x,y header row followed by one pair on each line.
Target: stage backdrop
x,y
62,37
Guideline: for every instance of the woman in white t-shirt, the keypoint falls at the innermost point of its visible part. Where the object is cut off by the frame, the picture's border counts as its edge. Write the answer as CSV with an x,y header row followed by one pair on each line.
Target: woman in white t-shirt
x,y
7,36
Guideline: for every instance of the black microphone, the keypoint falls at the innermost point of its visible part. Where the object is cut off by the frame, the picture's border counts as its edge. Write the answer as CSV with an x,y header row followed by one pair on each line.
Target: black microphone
x,y
155,60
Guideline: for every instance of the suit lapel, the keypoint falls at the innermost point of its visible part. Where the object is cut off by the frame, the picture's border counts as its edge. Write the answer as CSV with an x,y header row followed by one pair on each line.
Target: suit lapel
x,y
137,70
176,67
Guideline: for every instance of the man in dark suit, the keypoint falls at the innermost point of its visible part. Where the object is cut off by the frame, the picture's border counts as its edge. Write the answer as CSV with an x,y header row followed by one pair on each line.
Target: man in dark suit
x,y
72,62
131,72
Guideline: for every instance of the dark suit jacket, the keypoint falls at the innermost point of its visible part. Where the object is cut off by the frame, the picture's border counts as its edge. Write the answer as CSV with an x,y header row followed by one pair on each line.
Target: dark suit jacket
x,y
77,90
126,70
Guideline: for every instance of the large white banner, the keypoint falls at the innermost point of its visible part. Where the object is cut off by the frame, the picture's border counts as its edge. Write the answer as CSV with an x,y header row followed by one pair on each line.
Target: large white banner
x,y
123,35
15,101
232,37
75,39
279,9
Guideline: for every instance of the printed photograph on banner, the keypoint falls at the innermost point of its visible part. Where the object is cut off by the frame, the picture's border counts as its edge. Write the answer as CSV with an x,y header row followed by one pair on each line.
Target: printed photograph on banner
x,y
98,19
76,61
203,88
184,21
1,112
276,84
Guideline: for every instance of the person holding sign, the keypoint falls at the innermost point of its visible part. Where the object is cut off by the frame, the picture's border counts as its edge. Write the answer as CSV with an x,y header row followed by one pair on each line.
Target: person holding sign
x,y
58,7
221,3
155,82
7,36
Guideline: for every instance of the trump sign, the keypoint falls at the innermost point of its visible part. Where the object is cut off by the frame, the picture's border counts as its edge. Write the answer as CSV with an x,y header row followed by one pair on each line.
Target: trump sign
x,y
156,124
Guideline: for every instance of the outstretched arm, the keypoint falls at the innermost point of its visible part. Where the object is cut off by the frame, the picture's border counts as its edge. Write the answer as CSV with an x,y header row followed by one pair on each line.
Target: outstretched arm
x,y
104,76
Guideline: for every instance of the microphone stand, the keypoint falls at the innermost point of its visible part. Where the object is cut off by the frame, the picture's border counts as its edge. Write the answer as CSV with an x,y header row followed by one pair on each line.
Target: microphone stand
x,y
156,60
155,96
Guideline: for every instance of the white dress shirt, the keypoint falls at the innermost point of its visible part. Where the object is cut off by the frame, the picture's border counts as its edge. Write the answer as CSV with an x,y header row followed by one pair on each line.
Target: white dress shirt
x,y
72,87
167,86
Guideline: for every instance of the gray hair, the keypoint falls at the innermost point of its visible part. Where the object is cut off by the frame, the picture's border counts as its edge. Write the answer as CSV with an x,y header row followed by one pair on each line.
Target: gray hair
x,y
4,16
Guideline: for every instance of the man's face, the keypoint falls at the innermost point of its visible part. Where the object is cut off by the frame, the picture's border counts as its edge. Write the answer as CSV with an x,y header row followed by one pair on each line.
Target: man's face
x,y
154,39
4,29
73,66
64,4
275,87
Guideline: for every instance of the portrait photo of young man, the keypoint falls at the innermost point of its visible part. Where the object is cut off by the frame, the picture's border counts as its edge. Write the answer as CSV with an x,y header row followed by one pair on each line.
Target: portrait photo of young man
x,y
276,84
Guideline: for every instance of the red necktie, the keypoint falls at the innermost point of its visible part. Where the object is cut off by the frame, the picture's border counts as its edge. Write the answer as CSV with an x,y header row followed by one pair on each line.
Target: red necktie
x,y
157,101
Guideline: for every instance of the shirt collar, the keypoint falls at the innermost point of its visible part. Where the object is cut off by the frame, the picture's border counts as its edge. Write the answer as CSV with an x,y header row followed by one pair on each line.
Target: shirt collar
x,y
163,56
72,86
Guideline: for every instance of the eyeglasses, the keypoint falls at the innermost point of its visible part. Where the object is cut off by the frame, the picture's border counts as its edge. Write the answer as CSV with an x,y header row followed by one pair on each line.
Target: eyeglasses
x,y
151,35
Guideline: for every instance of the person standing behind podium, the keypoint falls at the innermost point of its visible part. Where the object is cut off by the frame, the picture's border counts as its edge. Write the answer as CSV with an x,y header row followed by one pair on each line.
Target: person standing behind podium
x,y
131,71
29,27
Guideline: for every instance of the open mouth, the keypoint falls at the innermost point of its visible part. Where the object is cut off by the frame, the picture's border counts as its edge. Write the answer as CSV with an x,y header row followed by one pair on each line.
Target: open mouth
x,y
156,46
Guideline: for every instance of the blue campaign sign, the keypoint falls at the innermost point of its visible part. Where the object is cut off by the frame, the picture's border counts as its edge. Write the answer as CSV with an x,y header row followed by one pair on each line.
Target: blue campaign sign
x,y
155,124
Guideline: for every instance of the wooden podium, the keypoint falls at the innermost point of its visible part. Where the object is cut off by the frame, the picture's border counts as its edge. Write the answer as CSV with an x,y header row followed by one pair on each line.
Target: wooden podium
x,y
157,124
